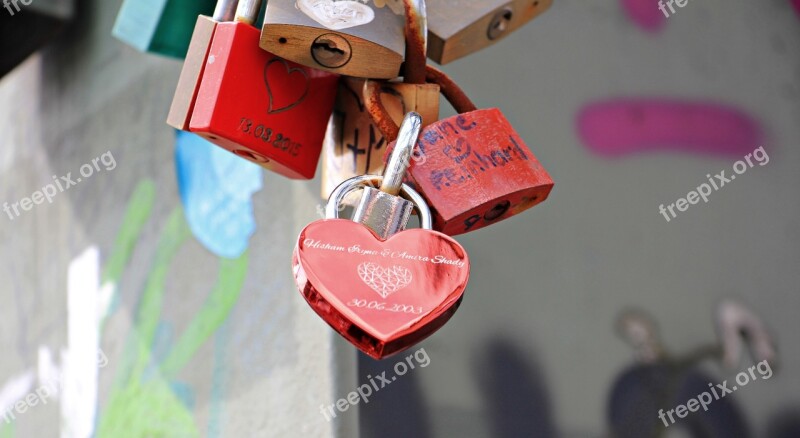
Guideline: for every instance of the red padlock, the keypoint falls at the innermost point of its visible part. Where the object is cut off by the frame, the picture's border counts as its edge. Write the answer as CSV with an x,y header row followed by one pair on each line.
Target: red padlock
x,y
381,287
260,106
473,169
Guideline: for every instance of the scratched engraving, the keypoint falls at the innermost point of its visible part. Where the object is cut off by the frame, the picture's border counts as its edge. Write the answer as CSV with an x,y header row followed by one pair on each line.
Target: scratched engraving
x,y
281,82
337,15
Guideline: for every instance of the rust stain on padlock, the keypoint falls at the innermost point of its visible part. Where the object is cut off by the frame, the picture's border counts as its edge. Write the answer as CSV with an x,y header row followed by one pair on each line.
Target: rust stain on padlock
x,y
454,94
331,50
373,104
416,32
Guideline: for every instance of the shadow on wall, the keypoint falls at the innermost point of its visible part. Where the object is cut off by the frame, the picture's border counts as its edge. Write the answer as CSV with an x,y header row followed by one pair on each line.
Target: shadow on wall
x,y
785,424
512,387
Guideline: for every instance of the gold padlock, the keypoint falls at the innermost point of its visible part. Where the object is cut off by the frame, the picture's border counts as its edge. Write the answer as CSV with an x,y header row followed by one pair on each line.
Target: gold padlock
x,y
353,38
459,28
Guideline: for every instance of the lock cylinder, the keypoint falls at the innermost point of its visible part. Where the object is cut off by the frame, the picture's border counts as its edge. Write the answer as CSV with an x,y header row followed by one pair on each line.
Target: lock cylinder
x,y
381,209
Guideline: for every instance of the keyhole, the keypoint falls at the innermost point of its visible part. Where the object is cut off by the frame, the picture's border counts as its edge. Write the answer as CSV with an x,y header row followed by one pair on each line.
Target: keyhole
x,y
499,24
326,46
247,155
497,211
331,50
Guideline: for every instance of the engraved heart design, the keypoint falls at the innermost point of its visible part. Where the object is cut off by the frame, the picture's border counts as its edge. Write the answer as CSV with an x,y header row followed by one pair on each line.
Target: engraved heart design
x,y
340,264
384,281
337,14
287,86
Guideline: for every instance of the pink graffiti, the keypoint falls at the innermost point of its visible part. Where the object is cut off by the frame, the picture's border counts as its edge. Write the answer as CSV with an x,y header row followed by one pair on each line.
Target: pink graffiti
x,y
623,126
796,4
645,14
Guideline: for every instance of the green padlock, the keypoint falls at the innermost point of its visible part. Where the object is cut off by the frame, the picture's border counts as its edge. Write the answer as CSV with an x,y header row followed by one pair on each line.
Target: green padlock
x,y
160,26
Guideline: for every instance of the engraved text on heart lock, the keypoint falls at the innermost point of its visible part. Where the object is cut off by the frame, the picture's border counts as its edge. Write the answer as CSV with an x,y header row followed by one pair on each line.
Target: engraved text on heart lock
x,y
294,85
419,275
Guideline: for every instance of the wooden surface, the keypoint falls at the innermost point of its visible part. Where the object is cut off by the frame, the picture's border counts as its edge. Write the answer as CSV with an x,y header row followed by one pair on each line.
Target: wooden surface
x,y
457,28
354,145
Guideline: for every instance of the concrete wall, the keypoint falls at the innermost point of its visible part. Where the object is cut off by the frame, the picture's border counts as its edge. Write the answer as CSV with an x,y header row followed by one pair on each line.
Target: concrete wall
x,y
531,352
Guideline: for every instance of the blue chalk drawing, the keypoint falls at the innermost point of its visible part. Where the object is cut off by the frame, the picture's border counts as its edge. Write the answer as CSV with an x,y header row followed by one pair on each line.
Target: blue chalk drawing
x,y
216,189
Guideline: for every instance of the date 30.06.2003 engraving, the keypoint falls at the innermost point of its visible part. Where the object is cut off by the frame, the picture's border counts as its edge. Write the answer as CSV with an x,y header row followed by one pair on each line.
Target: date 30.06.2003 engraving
x,y
386,307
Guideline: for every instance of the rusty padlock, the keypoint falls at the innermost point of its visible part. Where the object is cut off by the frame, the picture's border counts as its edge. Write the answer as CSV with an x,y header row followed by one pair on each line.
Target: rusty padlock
x,y
474,169
354,145
353,38
459,28
260,106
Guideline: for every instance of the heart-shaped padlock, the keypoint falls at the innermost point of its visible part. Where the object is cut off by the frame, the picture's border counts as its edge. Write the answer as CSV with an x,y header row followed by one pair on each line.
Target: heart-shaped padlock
x,y
381,288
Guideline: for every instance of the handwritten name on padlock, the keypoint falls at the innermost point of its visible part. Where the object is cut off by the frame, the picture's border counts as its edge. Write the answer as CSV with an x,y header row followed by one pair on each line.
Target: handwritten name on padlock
x,y
480,157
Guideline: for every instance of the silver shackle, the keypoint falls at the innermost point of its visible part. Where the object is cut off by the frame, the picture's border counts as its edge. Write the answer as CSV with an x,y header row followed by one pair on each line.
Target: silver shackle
x,y
225,10
382,209
247,11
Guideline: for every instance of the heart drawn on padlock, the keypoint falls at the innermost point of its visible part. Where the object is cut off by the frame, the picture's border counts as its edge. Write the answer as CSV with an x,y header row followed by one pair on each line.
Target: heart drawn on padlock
x,y
287,86
340,264
384,281
337,14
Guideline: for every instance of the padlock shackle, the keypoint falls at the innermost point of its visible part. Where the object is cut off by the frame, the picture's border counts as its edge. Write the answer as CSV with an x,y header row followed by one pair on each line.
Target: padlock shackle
x,y
397,165
247,11
450,89
406,192
225,10
380,116
416,33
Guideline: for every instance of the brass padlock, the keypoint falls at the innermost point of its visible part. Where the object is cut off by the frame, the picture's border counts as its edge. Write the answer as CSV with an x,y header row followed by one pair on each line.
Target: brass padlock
x,y
459,28
473,169
27,25
353,38
354,145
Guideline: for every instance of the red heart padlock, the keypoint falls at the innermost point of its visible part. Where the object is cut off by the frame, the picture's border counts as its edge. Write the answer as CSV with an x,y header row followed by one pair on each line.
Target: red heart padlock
x,y
381,288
